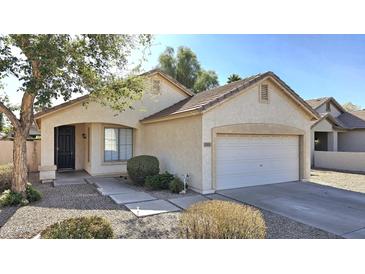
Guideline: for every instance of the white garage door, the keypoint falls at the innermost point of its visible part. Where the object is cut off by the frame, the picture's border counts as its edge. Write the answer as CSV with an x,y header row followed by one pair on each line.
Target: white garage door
x,y
256,160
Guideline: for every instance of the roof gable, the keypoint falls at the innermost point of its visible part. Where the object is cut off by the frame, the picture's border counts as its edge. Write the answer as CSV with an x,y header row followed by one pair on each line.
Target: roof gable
x,y
317,103
84,98
210,98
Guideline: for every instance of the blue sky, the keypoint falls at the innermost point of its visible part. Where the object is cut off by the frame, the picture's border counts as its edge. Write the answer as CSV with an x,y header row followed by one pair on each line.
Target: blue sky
x,y
313,65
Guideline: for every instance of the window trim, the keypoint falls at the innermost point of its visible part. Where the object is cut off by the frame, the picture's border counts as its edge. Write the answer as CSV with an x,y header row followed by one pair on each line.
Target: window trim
x,y
118,142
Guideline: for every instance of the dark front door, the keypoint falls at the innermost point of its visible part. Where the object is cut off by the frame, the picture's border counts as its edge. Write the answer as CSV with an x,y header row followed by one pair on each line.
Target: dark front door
x,y
65,147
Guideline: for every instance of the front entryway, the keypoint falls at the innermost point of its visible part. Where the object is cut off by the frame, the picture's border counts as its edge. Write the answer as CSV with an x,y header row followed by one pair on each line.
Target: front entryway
x,y
256,160
65,147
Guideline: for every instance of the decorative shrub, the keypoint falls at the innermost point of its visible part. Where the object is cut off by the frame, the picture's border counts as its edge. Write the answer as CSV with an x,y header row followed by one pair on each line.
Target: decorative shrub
x,y
140,167
222,220
176,186
93,227
5,176
33,195
11,198
159,181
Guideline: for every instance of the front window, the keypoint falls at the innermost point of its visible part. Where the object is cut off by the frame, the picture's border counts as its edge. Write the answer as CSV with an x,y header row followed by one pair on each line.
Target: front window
x,y
118,144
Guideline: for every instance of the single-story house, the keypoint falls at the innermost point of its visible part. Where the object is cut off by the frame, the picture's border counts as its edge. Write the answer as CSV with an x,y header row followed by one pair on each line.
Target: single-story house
x,y
250,132
337,129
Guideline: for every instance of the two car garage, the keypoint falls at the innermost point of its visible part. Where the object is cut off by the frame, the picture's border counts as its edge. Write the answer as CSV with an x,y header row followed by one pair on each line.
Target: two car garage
x,y
249,160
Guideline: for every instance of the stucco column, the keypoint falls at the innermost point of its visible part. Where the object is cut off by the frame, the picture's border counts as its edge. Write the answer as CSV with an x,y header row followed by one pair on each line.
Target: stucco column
x,y
47,169
332,141
335,141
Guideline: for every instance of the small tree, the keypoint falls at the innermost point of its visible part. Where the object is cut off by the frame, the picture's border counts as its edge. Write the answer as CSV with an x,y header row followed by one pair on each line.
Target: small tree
x,y
206,80
351,107
233,78
52,66
185,68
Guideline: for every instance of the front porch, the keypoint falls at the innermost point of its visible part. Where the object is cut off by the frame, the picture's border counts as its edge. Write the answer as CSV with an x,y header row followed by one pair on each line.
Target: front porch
x,y
78,151
73,177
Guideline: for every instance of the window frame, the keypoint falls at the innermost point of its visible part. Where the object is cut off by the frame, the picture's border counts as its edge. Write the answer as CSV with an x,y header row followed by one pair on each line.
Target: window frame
x,y
118,144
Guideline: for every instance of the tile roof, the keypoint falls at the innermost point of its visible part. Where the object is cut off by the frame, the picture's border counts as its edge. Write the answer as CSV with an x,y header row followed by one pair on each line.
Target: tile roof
x,y
353,119
314,103
208,98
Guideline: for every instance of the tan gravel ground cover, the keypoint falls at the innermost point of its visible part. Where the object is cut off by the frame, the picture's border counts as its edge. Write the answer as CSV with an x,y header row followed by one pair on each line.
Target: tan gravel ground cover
x,y
344,180
83,200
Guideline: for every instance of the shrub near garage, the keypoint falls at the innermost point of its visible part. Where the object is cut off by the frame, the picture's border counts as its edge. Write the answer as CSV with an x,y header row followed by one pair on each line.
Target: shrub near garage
x,y
176,186
140,167
159,181
222,220
93,227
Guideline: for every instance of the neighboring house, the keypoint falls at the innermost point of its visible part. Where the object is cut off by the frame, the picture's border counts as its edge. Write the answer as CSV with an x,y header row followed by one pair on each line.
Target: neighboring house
x,y
34,134
250,132
337,129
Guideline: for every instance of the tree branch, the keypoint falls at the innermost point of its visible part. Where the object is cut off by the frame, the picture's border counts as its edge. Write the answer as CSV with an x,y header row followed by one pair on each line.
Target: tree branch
x,y
14,121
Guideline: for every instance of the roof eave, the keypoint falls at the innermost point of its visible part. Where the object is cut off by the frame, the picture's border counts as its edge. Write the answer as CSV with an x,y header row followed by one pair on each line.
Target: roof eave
x,y
184,114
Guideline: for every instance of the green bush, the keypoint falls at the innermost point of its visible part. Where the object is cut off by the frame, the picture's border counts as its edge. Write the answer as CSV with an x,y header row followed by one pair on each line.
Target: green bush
x,y
5,176
33,195
11,198
140,167
159,181
176,186
222,220
93,227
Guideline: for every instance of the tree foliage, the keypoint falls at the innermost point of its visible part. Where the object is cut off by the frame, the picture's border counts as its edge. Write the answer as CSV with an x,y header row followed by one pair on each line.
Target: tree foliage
x,y
233,78
53,66
185,68
351,107
206,80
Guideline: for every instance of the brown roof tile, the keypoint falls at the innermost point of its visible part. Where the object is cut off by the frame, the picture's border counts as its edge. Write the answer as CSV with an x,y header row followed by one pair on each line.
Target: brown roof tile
x,y
314,103
353,119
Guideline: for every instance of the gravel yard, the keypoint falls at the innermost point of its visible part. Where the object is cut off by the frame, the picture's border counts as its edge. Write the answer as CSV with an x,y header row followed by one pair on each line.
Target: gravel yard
x,y
344,180
81,200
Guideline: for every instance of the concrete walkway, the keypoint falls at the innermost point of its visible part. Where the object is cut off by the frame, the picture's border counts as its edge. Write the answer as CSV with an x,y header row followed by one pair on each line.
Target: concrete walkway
x,y
73,177
139,202
334,210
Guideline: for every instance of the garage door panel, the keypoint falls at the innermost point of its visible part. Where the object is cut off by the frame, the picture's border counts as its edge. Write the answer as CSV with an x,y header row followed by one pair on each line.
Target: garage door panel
x,y
254,167
254,160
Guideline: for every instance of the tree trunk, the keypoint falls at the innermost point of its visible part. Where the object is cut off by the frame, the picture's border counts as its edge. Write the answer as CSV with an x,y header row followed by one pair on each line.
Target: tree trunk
x,y
20,170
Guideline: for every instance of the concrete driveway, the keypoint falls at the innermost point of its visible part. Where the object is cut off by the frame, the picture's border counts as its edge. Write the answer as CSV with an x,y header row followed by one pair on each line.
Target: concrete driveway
x,y
334,210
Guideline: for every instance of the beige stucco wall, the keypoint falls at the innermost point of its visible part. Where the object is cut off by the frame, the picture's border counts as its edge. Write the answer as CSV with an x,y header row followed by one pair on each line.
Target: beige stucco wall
x,y
245,108
324,126
353,140
33,153
178,145
348,161
95,115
